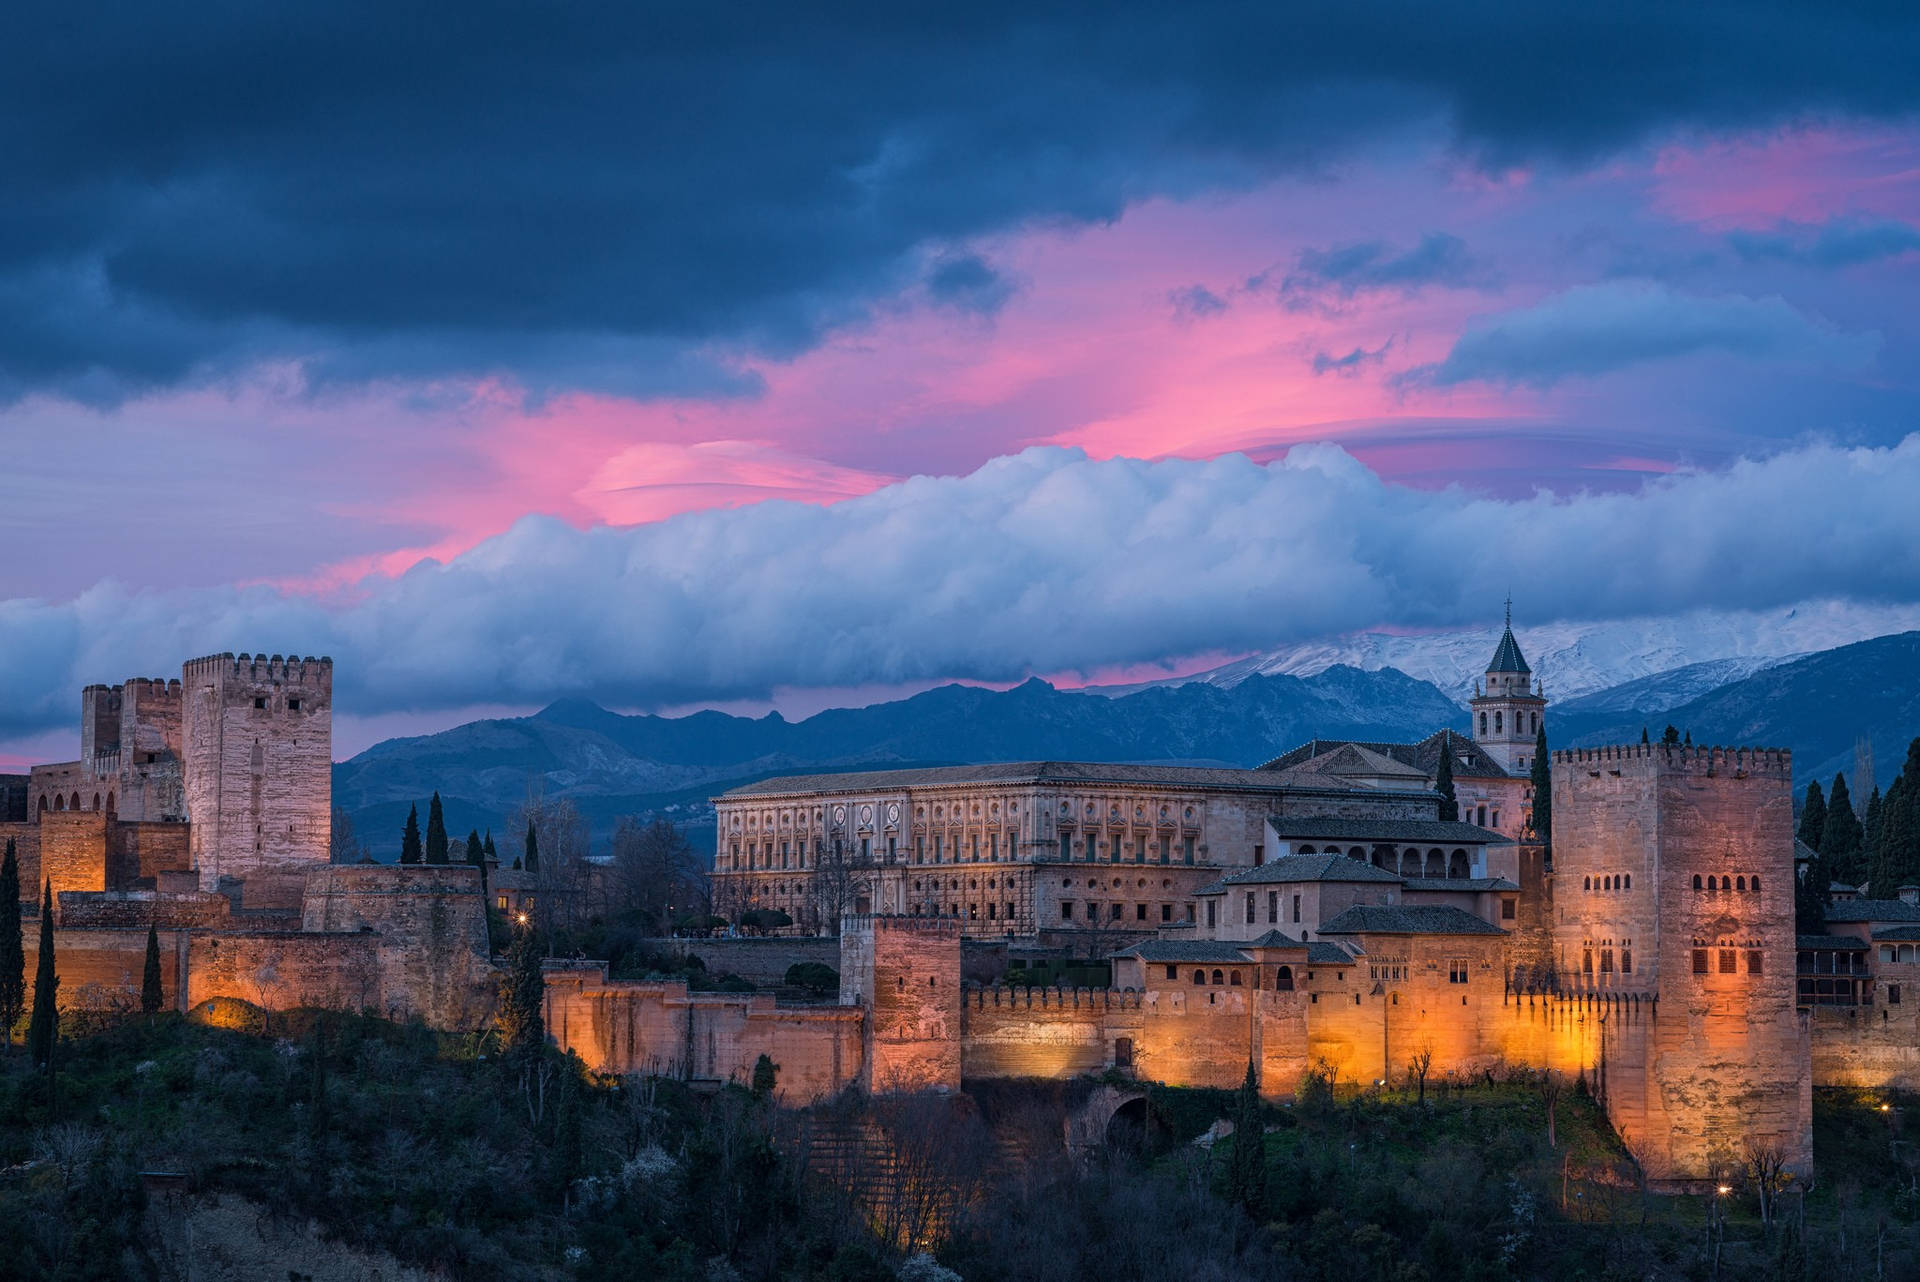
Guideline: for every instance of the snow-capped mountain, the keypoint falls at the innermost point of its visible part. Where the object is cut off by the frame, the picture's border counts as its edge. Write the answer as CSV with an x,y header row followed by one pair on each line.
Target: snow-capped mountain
x,y
1574,659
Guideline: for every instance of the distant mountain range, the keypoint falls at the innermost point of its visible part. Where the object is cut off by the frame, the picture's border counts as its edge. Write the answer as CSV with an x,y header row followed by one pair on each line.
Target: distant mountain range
x,y
611,764
1577,659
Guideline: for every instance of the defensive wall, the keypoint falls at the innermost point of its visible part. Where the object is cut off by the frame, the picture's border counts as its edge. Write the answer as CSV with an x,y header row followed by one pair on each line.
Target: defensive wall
x,y
92,850
762,961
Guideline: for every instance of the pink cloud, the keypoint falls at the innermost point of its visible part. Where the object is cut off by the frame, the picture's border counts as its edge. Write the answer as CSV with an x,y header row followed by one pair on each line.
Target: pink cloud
x,y
1805,175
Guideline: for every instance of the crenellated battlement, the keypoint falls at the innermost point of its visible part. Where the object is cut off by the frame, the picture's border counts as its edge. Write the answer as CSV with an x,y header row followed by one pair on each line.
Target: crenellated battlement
x,y
290,669
935,926
1683,759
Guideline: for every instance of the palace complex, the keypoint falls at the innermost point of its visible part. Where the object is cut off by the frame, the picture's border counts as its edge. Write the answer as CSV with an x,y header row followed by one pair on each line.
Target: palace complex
x,y
1316,914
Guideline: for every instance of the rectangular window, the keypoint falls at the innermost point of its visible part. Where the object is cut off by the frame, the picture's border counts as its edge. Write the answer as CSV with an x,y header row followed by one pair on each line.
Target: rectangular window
x,y
993,846
1113,913
1166,912
1249,908
1273,908
1259,855
260,701
919,850
1754,963
866,848
1210,913
1606,961
1893,994
1699,961
1189,914
1139,912
1457,971
293,705
1173,972
1626,961
1296,910
1189,849
1728,962
1166,850
1506,910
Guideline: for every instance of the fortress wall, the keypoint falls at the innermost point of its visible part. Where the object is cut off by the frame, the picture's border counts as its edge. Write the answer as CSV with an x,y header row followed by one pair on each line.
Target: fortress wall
x,y
1870,1047
1191,1037
103,969
73,852
762,961
1037,1032
136,908
1365,1035
663,1029
907,971
26,850
284,969
144,850
431,929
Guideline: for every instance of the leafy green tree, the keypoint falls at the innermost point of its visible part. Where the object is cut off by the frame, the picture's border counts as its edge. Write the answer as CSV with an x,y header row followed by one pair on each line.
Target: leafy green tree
x,y
43,1030
1813,816
152,996
1842,841
522,1027
765,1077
1247,1162
1542,781
1443,779
410,837
436,831
13,950
532,859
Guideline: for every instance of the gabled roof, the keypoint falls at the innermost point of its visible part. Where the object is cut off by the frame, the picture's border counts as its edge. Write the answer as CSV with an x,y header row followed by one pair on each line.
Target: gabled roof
x,y
1185,950
1508,658
1458,884
1440,832
1322,953
1470,760
1289,868
1859,910
1274,939
1408,919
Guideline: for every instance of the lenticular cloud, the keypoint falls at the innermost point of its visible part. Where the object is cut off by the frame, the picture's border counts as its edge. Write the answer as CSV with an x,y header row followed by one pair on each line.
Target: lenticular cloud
x,y
1045,561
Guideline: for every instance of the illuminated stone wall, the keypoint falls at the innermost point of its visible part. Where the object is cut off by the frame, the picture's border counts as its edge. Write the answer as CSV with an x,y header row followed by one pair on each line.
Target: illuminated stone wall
x,y
906,972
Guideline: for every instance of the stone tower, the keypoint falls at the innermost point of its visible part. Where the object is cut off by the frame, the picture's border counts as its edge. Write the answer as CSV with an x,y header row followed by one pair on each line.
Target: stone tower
x,y
906,972
257,740
1673,894
1508,706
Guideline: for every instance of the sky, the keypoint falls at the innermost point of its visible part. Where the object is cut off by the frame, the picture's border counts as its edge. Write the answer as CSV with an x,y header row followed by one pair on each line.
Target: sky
x,y
707,358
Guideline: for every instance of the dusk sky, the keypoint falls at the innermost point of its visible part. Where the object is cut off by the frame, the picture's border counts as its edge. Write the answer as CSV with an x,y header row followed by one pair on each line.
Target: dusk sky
x,y
687,357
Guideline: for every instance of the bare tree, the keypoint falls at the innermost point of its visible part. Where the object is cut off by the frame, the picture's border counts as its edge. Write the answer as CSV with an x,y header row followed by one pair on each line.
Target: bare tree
x,y
1419,1066
1764,1162
654,872
838,884
1549,1084
343,844
561,883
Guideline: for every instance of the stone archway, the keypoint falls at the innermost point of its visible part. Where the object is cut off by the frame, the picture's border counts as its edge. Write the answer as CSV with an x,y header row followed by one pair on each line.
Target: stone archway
x,y
1088,1126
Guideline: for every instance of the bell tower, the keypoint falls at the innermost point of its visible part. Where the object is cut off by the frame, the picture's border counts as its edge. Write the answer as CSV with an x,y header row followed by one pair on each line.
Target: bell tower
x,y
1508,705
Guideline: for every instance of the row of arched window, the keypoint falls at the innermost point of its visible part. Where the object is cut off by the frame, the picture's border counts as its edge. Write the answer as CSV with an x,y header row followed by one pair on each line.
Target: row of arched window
x,y
1726,883
61,803
1620,881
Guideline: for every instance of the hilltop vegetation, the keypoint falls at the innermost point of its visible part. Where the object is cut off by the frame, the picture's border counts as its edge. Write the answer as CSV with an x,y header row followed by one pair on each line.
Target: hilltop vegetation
x,y
424,1153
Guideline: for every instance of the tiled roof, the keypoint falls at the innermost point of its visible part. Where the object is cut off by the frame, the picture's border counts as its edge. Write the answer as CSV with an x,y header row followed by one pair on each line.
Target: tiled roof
x,y
1185,950
1831,943
1470,760
1898,935
1274,939
1508,658
1859,910
1019,772
1408,919
1457,884
1437,831
1322,953
1802,852
1308,868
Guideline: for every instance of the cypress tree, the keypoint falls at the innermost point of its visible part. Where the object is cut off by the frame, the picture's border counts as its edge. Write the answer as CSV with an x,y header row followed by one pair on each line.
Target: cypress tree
x,y
1870,828
410,837
152,996
522,1027
487,846
44,1028
436,831
1842,843
533,849
13,948
1643,735
1542,781
1882,870
1813,816
1247,1164
1670,736
1443,779
1812,896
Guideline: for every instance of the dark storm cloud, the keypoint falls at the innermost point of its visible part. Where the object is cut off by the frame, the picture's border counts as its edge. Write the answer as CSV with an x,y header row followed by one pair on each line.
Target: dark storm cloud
x,y
1841,242
191,189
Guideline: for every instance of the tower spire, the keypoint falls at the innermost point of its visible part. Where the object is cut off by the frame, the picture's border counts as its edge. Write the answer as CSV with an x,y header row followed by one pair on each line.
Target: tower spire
x,y
1509,609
